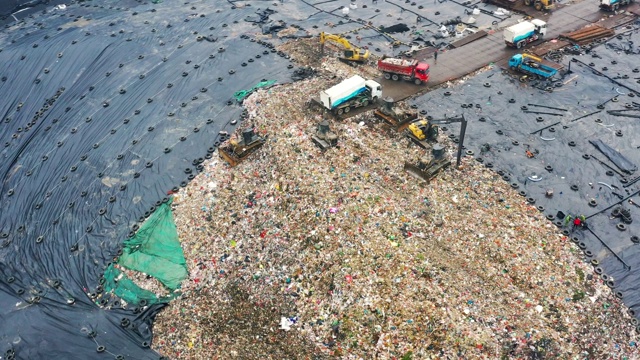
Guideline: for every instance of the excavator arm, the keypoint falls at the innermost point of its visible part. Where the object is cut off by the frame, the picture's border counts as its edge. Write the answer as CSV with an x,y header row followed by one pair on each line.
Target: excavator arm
x,y
351,52
446,121
427,129
335,38
529,56
422,129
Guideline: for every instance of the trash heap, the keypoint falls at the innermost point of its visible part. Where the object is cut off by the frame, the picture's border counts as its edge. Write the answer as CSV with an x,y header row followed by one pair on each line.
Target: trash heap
x,y
306,52
297,253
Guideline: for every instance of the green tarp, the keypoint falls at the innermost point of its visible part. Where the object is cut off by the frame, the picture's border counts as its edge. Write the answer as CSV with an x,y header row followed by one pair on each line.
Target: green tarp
x,y
240,95
119,284
154,250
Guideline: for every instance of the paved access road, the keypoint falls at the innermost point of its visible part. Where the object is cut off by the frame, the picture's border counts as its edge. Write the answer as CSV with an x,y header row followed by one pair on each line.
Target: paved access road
x,y
455,63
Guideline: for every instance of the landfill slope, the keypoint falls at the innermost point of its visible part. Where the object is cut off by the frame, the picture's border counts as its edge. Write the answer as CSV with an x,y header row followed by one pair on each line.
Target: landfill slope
x,y
559,123
354,258
112,107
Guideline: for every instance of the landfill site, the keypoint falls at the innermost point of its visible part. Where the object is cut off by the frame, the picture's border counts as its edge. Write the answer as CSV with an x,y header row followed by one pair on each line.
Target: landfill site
x,y
330,179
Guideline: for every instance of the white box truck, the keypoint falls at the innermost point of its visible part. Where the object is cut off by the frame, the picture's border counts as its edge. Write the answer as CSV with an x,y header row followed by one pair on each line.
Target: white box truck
x,y
520,34
353,92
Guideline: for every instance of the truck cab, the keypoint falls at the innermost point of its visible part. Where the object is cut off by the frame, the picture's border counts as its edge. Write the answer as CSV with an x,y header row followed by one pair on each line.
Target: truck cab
x,y
422,72
515,61
375,88
540,27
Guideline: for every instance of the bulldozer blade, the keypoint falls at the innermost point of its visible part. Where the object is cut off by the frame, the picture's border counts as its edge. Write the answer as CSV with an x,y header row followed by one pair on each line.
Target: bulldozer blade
x,y
233,158
415,172
398,125
228,156
322,144
428,173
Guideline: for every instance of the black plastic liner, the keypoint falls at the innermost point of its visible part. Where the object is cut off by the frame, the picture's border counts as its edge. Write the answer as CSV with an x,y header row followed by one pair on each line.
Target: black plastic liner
x,y
557,126
615,157
103,108
8,7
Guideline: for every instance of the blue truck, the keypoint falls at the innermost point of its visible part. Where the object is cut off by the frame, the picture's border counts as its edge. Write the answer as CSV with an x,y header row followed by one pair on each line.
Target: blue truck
x,y
613,5
531,65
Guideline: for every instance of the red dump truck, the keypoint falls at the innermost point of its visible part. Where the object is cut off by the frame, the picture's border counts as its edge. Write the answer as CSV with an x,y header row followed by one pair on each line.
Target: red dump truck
x,y
410,70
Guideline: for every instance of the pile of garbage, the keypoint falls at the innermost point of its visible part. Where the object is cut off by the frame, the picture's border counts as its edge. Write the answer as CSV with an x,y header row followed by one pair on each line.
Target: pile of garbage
x,y
306,53
297,253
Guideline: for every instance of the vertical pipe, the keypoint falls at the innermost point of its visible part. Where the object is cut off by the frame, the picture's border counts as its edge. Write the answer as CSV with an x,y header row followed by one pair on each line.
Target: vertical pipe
x,y
463,130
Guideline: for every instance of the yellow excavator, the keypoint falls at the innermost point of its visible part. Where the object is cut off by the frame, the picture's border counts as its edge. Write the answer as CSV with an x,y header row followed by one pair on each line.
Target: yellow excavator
x,y
541,4
423,129
351,53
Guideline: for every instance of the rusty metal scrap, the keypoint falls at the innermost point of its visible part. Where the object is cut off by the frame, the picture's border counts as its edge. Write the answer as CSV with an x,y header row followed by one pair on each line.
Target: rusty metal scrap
x,y
588,34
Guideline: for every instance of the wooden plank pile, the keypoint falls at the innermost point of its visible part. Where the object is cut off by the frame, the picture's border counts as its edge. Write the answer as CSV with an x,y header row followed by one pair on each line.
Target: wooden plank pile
x,y
588,34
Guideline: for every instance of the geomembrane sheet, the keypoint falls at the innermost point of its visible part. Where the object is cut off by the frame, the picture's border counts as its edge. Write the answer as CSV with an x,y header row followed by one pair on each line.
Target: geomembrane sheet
x,y
104,108
106,104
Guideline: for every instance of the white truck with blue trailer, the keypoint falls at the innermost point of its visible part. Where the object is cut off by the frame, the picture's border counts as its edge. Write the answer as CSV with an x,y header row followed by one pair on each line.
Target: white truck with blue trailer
x,y
613,5
525,32
353,92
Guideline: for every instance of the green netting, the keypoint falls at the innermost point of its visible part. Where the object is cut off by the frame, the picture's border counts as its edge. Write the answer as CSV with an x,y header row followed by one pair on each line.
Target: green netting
x,y
239,95
118,283
154,250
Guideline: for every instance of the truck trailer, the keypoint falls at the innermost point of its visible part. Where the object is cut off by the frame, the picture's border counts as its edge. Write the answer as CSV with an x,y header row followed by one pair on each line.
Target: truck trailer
x,y
409,70
520,34
353,92
613,5
531,65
